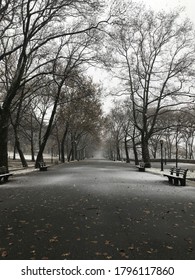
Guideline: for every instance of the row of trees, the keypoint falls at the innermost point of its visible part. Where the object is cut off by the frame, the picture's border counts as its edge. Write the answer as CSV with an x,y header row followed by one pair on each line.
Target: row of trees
x,y
75,127
152,56
45,47
175,128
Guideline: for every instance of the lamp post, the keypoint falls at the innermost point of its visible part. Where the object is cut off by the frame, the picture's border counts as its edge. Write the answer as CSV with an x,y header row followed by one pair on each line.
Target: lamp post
x,y
161,152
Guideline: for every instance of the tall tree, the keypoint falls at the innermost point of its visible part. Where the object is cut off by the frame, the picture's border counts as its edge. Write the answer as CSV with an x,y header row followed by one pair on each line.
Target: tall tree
x,y
153,52
27,30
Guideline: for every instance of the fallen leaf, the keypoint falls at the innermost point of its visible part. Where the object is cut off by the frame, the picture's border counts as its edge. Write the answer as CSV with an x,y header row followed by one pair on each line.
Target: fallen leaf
x,y
169,247
65,254
132,247
53,239
4,254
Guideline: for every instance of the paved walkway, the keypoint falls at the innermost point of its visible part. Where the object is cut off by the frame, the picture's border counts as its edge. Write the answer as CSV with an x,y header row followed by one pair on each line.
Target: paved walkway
x,y
96,210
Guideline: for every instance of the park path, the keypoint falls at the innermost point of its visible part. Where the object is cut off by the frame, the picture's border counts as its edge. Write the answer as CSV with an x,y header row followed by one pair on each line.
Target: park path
x,y
96,209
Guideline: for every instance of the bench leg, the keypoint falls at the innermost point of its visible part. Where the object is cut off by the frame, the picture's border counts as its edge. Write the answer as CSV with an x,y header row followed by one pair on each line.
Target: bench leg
x,y
176,181
142,169
170,180
182,182
44,168
6,179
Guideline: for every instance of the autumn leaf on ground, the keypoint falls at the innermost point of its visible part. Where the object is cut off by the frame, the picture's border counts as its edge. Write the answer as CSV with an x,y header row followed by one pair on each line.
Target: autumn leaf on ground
x,y
132,247
53,239
23,222
145,242
190,249
9,228
189,240
146,212
4,254
169,247
151,251
66,254
48,225
123,254
171,235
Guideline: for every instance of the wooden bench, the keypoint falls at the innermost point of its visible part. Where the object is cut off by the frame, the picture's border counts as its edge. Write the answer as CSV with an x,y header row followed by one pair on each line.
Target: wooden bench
x,y
176,176
4,175
141,166
42,166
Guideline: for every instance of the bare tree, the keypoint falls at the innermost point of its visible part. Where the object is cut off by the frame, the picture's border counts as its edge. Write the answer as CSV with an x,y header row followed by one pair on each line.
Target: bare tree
x,y
152,55
27,30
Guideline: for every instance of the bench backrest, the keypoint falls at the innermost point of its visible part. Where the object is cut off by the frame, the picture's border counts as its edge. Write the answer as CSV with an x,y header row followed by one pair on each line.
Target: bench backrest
x,y
42,164
178,171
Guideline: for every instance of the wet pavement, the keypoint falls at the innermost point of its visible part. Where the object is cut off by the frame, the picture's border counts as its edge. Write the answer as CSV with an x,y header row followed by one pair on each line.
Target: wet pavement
x,y
96,209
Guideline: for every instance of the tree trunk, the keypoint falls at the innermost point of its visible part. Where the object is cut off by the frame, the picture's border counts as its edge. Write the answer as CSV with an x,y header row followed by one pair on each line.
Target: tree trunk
x,y
49,128
70,154
135,153
63,145
3,138
127,151
17,142
145,152
118,156
22,158
32,150
14,152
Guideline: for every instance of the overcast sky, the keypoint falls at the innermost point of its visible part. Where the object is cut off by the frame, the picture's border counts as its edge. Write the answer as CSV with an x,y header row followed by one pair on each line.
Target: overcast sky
x,y
171,4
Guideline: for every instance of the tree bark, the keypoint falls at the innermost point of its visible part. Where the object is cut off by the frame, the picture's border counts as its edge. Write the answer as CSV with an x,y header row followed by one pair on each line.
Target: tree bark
x,y
127,151
4,122
118,155
135,153
63,144
145,152
32,149
22,158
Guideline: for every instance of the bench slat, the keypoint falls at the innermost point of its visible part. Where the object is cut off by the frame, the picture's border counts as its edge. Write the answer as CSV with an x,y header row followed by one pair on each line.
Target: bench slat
x,y
180,176
141,166
42,166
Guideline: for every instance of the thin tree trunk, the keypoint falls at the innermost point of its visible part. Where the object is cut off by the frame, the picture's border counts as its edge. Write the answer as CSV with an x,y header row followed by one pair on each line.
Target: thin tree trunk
x,y
135,153
145,152
127,151
63,145
32,150
3,139
48,130
22,158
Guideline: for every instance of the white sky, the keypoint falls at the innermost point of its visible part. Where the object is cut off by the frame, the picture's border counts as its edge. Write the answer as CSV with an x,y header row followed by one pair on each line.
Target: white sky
x,y
171,4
